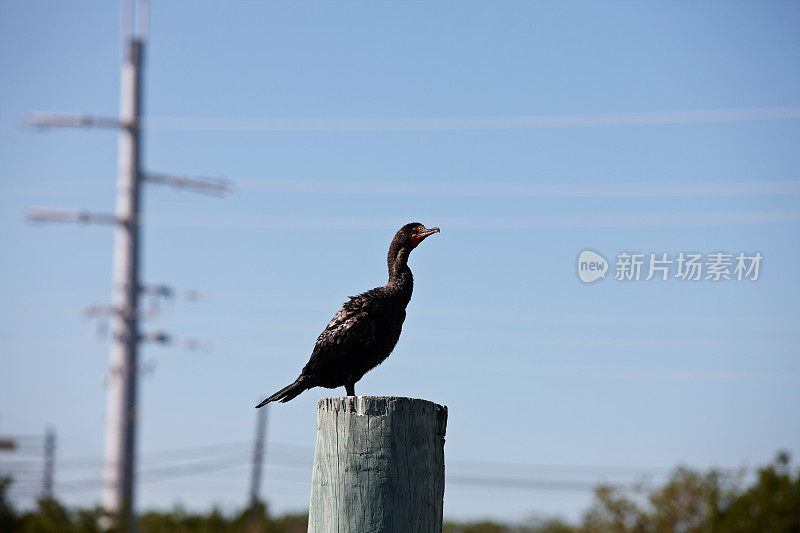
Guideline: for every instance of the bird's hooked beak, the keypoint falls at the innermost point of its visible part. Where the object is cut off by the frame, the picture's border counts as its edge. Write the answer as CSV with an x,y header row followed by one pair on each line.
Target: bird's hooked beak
x,y
419,237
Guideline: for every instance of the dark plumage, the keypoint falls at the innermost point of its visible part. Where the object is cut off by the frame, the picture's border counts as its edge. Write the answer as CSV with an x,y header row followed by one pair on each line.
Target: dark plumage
x,y
364,332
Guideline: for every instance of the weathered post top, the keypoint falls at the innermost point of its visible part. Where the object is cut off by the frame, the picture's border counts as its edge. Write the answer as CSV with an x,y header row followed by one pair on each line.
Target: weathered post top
x,y
378,465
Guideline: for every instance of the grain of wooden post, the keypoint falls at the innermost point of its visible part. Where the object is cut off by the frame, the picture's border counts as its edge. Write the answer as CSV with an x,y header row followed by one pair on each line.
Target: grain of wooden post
x,y
378,466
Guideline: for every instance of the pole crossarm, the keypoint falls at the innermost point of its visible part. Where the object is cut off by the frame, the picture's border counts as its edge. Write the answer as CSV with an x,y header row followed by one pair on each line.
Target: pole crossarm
x,y
75,120
164,291
208,186
70,215
167,339
159,337
93,311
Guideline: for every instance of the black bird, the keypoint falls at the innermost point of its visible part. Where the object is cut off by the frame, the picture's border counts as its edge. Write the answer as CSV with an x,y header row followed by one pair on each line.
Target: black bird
x,y
364,332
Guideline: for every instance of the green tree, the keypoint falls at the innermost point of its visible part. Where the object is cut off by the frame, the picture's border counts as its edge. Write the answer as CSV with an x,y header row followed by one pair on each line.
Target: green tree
x,y
711,502
690,501
771,504
537,524
612,512
49,517
8,516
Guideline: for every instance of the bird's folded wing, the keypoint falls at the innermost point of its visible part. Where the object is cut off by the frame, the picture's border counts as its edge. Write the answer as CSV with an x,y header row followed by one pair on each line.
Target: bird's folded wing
x,y
349,330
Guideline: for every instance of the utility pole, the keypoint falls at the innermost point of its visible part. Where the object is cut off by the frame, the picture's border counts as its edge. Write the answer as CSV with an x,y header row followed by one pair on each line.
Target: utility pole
x,y
119,471
48,477
258,460
121,414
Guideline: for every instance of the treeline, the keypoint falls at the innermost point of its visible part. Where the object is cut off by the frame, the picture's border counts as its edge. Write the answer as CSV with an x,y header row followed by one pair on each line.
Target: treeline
x,y
50,516
689,502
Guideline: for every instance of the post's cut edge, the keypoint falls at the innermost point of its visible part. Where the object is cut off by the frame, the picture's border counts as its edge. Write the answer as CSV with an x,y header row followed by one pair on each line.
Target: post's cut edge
x,y
352,403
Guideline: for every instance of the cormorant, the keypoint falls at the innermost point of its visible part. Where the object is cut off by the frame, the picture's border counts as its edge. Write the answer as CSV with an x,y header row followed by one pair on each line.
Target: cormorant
x,y
364,332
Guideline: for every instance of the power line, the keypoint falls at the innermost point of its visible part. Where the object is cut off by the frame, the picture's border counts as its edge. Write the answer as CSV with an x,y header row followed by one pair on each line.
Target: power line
x,y
161,473
305,452
180,452
649,118
554,189
35,475
239,459
516,190
521,483
200,468
496,222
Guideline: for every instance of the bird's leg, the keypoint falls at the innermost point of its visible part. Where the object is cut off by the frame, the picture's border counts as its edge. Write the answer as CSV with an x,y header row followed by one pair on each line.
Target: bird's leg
x,y
350,388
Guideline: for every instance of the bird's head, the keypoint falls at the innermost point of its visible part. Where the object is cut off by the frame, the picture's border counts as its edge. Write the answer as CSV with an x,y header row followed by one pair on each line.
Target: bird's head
x,y
406,239
412,234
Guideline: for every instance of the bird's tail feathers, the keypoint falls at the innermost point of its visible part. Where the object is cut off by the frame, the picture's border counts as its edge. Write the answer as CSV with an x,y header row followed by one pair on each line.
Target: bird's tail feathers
x,y
288,392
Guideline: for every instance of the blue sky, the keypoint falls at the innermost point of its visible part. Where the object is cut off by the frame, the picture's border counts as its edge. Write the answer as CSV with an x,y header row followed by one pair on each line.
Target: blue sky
x,y
546,378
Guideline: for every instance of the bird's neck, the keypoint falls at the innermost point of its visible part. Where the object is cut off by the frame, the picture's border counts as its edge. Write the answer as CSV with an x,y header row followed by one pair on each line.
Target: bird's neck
x,y
400,279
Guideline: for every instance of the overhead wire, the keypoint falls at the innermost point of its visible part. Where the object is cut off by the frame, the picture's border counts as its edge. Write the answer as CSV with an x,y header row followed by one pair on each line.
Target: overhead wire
x,y
464,475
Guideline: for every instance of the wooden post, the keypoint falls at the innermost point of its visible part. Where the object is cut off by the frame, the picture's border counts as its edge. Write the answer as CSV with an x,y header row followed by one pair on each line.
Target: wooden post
x,y
378,466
